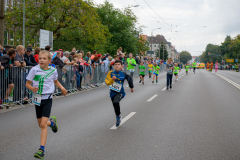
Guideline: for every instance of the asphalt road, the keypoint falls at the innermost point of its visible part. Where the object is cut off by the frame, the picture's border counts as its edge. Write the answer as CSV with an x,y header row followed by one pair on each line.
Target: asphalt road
x,y
196,120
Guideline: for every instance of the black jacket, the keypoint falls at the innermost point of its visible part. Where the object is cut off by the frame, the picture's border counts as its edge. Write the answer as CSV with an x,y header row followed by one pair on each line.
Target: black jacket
x,y
5,61
59,62
30,60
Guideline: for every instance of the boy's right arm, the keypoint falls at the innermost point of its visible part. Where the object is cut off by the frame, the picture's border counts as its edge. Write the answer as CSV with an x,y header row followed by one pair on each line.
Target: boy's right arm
x,y
109,80
28,85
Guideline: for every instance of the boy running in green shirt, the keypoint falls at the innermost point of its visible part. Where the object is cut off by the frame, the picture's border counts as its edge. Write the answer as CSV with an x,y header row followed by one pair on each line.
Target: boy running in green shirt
x,y
156,69
141,71
175,71
187,67
131,63
44,79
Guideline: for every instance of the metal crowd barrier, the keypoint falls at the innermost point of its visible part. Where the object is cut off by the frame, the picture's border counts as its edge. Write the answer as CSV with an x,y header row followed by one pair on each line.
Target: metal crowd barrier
x,y
13,80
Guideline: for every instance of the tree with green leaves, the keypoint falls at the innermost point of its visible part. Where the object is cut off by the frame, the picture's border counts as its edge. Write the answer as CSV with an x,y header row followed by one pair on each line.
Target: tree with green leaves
x,y
143,45
121,25
161,52
185,56
73,23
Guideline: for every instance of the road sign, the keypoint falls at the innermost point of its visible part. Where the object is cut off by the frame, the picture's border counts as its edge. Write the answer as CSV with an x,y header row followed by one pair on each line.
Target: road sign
x,y
229,60
150,52
46,38
236,60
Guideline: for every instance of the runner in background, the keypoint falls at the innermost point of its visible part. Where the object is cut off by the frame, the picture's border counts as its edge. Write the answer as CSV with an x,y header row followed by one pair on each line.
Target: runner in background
x,y
175,71
150,67
131,63
187,67
141,72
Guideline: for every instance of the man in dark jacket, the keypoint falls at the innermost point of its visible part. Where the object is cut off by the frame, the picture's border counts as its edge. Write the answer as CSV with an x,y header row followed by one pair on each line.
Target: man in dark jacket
x,y
59,65
29,59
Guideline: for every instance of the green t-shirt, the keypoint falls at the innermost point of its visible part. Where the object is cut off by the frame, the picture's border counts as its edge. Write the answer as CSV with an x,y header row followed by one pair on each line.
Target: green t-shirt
x,y
129,65
176,69
155,69
142,70
187,67
194,64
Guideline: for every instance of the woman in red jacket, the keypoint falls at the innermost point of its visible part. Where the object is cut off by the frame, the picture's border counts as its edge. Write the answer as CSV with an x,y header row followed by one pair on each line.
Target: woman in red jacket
x,y
36,54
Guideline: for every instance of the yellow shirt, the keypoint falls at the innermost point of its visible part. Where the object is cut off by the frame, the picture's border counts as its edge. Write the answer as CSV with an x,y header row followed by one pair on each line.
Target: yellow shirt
x,y
150,66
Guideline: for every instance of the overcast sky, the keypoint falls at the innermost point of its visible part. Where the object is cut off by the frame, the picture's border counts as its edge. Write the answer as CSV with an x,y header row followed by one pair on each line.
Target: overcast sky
x,y
188,24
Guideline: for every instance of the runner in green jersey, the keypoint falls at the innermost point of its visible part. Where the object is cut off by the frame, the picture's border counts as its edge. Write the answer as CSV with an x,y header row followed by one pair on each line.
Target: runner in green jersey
x,y
131,63
175,71
194,66
187,67
156,69
141,71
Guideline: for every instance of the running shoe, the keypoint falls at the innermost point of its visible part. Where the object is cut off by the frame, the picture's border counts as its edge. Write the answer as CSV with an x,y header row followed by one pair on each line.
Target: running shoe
x,y
167,88
152,81
140,81
170,86
39,154
127,86
156,81
119,118
55,126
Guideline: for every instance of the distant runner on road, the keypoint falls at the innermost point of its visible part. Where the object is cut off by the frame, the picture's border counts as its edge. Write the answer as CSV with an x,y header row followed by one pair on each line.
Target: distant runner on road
x,y
169,69
194,67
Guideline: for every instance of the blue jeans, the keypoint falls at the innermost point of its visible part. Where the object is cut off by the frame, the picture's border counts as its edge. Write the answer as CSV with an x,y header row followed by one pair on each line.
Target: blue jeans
x,y
169,79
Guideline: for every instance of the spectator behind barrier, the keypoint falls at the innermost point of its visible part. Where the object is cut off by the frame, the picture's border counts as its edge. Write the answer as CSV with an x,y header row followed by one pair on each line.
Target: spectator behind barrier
x,y
48,48
6,62
2,51
29,59
36,54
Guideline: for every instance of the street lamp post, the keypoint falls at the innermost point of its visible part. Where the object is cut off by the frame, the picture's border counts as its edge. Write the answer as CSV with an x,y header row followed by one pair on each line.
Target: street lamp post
x,y
129,7
23,22
151,38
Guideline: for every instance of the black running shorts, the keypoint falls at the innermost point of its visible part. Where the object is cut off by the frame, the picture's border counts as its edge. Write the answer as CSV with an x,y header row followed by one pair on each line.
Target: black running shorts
x,y
44,109
141,75
176,74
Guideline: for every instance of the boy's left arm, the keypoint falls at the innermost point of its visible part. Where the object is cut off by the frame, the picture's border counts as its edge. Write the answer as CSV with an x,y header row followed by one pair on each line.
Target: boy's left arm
x,y
130,82
58,84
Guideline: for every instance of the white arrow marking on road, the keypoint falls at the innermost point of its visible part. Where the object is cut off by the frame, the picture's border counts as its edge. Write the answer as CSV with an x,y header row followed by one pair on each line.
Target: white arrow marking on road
x,y
152,98
164,89
124,120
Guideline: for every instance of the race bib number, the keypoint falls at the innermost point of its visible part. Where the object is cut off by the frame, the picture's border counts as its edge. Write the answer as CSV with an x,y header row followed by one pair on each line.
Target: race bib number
x,y
116,87
37,98
141,70
169,71
175,70
154,71
131,70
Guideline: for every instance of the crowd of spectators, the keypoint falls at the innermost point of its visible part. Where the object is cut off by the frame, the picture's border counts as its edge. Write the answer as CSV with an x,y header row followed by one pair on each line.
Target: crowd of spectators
x,y
72,67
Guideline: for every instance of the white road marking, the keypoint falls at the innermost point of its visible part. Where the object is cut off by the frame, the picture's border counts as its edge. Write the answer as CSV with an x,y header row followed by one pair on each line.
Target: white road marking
x,y
229,81
124,120
152,98
164,89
